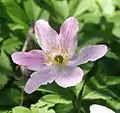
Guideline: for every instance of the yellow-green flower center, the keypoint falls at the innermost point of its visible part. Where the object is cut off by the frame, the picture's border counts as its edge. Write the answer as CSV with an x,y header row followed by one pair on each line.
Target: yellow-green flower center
x,y
57,56
59,59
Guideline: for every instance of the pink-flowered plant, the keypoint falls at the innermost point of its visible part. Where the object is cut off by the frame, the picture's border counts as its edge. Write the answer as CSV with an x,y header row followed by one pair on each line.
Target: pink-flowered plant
x,y
58,58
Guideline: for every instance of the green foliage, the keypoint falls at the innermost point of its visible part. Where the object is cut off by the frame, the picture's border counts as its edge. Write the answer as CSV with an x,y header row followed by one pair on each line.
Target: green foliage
x,y
20,110
15,12
99,23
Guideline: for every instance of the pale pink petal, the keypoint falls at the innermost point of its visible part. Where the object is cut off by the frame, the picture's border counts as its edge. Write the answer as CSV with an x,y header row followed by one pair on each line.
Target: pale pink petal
x,y
89,53
100,109
46,36
33,60
70,77
39,78
68,35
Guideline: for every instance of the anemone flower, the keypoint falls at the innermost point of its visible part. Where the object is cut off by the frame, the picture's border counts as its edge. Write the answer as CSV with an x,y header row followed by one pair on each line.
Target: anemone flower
x,y
100,109
58,59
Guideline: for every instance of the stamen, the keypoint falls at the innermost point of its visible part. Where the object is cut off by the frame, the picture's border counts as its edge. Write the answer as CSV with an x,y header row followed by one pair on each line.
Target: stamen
x,y
59,59
58,56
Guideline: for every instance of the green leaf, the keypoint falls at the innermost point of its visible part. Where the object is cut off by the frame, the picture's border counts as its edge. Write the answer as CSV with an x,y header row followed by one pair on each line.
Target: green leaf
x,y
107,6
57,9
1,39
5,65
44,15
116,31
112,55
5,111
4,30
9,97
15,12
20,109
117,3
42,104
46,107
63,5
3,80
45,110
14,27
64,108
73,5
112,80
114,48
115,18
32,9
91,17
109,94
52,98
89,40
101,85
81,6
42,107
99,94
11,44
55,89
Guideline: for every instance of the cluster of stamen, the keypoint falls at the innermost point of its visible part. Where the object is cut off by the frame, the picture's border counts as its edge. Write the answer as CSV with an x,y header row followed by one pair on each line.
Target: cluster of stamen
x,y
57,56
59,59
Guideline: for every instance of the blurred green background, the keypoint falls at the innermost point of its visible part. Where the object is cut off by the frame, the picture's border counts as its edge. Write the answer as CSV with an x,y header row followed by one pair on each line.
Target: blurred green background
x,y
99,23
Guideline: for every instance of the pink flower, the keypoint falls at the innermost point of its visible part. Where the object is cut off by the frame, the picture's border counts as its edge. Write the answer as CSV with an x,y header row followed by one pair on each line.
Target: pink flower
x,y
58,58
100,109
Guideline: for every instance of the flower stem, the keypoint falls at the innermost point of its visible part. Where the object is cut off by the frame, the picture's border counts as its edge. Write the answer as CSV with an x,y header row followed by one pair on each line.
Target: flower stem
x,y
25,47
79,99
75,102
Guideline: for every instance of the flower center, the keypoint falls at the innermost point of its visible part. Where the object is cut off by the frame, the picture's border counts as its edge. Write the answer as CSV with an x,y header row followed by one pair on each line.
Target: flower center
x,y
57,56
59,59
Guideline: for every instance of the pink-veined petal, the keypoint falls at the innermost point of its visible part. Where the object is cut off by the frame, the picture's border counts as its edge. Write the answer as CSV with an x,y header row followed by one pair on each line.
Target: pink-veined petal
x,y
68,35
33,60
70,77
46,36
89,53
100,109
39,78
